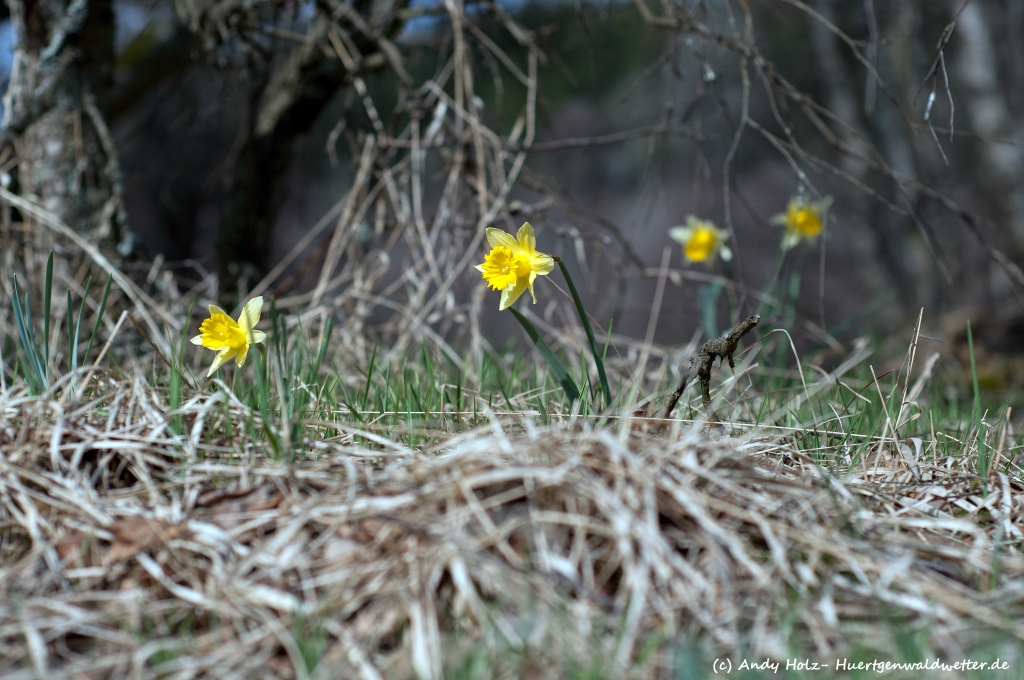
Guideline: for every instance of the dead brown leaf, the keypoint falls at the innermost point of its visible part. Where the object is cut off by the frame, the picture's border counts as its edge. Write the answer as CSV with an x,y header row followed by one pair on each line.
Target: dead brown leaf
x,y
230,508
135,535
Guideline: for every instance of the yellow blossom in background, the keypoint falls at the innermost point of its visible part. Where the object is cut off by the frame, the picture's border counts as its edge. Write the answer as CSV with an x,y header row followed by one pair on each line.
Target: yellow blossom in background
x,y
229,337
514,263
803,219
701,240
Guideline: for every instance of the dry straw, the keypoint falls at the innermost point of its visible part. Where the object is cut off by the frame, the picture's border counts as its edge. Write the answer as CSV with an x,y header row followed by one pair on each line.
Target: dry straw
x,y
130,551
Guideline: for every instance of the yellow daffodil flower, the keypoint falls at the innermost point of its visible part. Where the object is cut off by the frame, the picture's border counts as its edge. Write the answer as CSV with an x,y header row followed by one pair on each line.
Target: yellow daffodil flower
x,y
803,220
231,338
514,263
701,240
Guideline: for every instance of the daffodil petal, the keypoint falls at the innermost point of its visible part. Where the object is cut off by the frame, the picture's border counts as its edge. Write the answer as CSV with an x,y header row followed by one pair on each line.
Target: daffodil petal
x,y
259,336
532,278
541,263
250,315
214,309
681,234
527,238
222,358
513,293
240,357
499,237
725,253
823,204
198,340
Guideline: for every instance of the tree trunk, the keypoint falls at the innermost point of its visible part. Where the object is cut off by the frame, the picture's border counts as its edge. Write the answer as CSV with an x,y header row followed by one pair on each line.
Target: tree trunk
x,y
290,101
61,77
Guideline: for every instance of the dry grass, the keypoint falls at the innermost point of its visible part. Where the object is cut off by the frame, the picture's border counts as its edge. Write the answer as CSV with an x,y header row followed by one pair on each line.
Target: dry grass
x,y
512,549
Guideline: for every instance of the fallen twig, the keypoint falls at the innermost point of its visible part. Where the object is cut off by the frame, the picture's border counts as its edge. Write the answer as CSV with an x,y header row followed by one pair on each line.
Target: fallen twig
x,y
723,348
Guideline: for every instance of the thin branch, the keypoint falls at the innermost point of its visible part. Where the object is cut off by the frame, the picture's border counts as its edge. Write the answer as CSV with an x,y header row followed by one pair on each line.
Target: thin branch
x,y
721,348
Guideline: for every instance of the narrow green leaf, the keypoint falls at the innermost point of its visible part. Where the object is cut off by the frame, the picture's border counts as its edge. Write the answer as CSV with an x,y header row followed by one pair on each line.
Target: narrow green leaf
x,y
72,354
262,380
77,333
605,389
47,295
974,372
23,319
545,350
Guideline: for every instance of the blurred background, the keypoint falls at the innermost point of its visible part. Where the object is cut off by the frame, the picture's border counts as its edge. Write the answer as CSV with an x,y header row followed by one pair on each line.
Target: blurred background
x,y
344,156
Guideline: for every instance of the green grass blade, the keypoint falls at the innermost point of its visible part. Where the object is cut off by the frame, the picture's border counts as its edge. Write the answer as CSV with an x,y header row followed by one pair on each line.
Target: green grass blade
x,y
598,357
47,299
174,400
545,350
607,342
369,376
324,342
99,316
976,415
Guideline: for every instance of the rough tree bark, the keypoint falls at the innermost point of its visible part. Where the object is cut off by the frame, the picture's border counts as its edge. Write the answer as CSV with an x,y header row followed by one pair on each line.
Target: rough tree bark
x,y
61,77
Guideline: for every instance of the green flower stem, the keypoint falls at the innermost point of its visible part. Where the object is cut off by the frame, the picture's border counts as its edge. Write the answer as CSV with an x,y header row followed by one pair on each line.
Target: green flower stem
x,y
605,389
545,351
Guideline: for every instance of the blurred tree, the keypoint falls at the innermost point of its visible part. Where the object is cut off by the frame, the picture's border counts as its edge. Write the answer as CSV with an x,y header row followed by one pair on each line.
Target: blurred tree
x,y
284,61
60,80
291,60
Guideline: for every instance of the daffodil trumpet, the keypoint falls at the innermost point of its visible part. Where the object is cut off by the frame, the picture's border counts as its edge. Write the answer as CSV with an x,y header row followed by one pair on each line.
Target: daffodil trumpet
x,y
803,220
701,240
